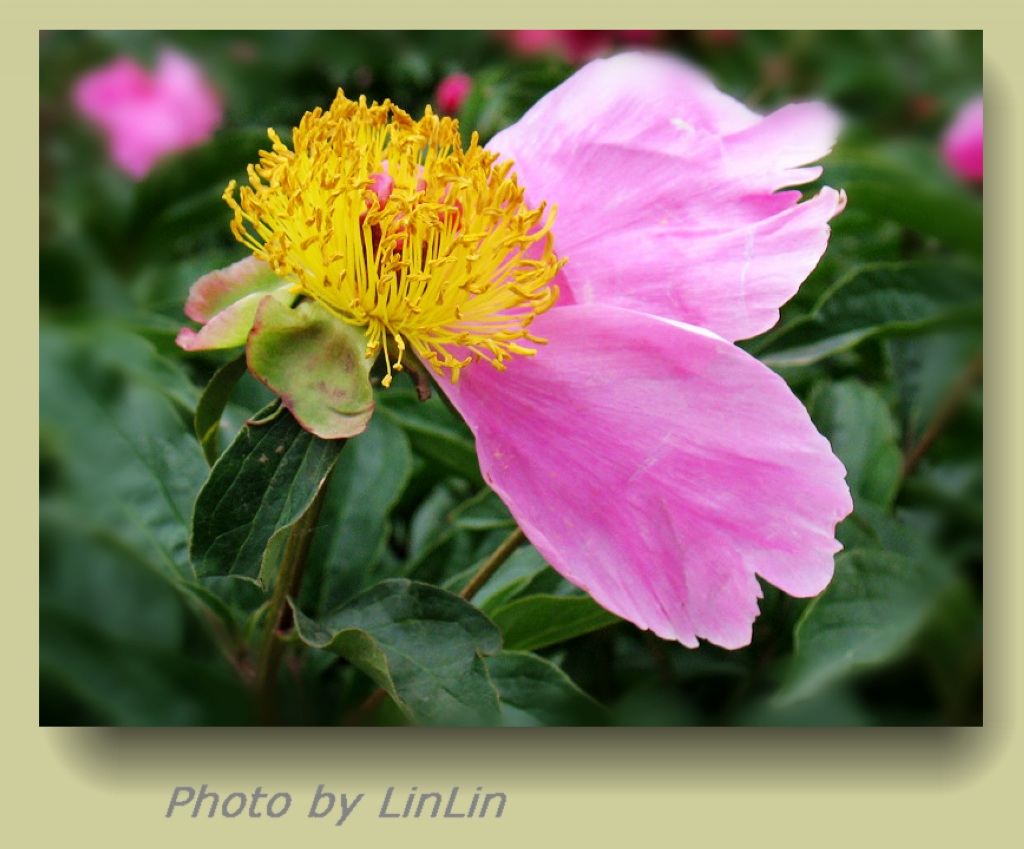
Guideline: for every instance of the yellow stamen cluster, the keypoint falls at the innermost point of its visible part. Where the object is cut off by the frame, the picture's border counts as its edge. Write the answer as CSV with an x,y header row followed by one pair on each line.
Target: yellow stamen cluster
x,y
392,226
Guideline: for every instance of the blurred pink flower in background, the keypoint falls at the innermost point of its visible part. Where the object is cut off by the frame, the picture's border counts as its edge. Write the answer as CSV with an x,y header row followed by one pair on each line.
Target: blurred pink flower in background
x,y
963,144
146,116
575,46
452,92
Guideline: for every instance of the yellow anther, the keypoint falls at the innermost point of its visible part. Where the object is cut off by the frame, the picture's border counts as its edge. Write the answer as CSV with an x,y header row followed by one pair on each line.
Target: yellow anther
x,y
441,262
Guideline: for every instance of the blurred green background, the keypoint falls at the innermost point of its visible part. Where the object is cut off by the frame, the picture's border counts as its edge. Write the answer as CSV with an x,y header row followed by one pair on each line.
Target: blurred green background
x,y
883,343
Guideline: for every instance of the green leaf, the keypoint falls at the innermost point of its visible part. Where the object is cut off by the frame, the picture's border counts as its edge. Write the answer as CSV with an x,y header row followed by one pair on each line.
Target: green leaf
x,y
647,703
926,368
443,521
86,571
444,561
162,288
952,647
876,300
833,708
116,446
106,616
432,519
534,691
443,550
421,644
952,492
537,621
877,602
91,677
508,582
259,487
212,403
857,421
121,350
316,363
873,527
912,187
434,432
542,580
367,482
483,513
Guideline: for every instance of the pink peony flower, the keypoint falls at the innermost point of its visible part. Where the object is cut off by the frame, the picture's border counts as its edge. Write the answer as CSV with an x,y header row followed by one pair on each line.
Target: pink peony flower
x,y
452,92
651,461
963,144
147,116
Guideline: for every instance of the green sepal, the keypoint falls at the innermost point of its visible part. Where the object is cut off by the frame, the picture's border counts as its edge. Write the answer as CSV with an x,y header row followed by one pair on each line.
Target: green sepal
x,y
316,363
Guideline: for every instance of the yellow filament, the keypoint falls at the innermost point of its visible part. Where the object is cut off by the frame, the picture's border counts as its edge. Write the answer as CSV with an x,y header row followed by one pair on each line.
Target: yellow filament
x,y
451,261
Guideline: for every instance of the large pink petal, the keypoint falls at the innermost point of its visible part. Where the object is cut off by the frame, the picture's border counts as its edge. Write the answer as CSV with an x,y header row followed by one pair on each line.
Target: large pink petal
x,y
731,281
659,468
649,164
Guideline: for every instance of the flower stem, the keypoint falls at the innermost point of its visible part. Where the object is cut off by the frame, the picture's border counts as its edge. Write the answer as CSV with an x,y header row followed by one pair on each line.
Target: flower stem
x,y
492,563
279,621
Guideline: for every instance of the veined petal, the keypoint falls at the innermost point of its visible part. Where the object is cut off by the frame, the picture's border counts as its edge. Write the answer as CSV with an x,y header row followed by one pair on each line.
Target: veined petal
x,y
731,281
646,146
660,468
